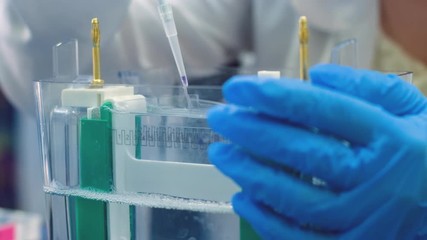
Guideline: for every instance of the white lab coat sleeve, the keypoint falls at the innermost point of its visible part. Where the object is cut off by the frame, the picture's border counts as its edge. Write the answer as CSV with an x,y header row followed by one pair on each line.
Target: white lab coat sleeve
x,y
333,15
211,34
31,28
218,31
340,20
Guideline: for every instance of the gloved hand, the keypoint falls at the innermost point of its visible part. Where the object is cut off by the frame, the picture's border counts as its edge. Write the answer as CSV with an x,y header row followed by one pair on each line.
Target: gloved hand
x,y
364,133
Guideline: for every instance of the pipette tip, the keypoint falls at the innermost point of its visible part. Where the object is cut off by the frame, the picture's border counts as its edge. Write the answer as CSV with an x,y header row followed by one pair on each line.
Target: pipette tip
x,y
184,81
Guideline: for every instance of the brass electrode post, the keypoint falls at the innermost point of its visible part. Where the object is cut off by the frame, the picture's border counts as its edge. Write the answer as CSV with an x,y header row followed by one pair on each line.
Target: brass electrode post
x,y
303,48
97,82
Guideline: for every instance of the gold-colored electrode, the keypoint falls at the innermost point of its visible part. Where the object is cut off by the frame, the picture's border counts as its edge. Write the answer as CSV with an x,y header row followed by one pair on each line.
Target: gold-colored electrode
x,y
97,82
303,47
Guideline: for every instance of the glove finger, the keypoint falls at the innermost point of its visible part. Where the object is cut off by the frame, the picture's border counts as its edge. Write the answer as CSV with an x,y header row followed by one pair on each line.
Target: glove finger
x,y
268,224
387,90
310,106
311,154
289,195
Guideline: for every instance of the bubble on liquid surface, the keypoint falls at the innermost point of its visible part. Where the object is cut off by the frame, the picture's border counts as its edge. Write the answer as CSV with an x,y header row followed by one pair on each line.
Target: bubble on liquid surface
x,y
146,200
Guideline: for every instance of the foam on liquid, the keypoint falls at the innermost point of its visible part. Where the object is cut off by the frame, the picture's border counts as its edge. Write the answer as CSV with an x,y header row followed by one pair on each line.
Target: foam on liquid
x,y
145,199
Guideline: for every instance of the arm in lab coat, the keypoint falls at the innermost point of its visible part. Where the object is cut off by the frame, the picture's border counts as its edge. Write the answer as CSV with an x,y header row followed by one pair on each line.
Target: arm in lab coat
x,y
334,15
211,34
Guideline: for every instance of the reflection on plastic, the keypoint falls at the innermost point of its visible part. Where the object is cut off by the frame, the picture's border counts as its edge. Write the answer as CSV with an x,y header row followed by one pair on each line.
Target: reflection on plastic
x,y
345,53
65,60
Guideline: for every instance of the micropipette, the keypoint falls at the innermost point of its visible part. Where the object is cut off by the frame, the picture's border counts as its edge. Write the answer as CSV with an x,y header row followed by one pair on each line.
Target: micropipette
x,y
166,14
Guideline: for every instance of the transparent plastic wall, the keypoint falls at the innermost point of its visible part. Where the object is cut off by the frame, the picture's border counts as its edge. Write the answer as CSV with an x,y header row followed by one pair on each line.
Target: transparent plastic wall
x,y
129,160
133,167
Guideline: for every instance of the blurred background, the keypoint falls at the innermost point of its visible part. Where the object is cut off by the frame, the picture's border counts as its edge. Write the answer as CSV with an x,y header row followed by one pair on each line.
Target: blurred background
x,y
8,164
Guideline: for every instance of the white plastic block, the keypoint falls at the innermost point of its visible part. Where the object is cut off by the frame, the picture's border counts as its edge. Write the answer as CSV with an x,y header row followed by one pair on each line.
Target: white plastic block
x,y
269,74
122,118
186,180
129,103
92,97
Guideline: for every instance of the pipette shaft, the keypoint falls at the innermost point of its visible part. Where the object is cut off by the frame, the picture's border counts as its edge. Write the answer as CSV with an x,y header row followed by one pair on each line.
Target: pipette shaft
x,y
176,51
166,14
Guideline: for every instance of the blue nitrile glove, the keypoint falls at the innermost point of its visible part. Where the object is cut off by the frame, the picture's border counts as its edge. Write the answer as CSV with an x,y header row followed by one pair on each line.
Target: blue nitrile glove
x,y
364,133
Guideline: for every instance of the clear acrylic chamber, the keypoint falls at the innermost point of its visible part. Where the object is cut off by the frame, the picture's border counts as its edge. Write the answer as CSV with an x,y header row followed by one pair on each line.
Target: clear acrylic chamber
x,y
129,161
